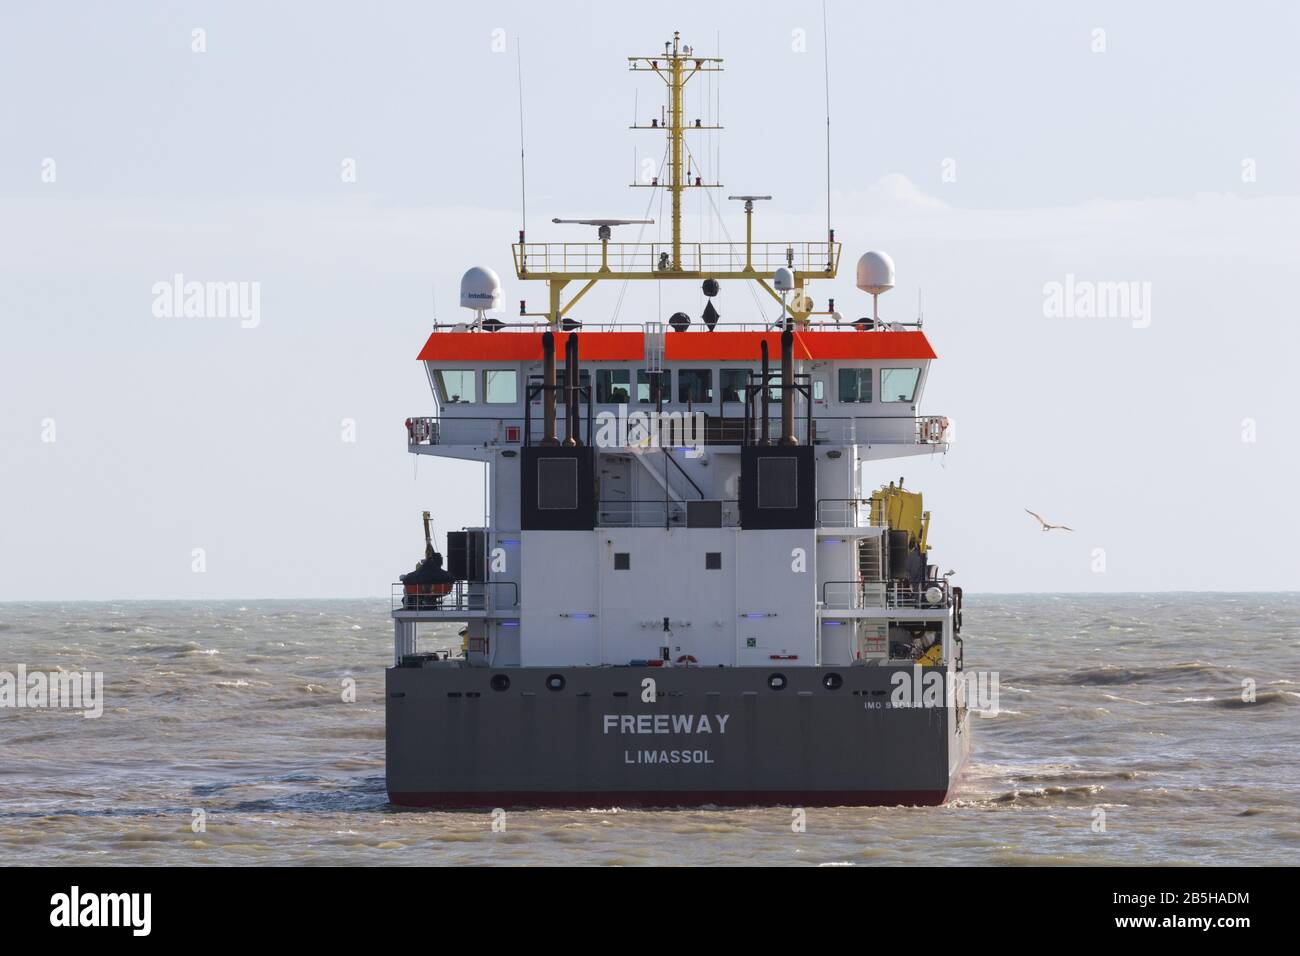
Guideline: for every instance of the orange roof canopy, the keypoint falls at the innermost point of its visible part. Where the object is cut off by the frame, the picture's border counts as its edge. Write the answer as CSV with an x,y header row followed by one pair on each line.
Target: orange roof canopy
x,y
678,346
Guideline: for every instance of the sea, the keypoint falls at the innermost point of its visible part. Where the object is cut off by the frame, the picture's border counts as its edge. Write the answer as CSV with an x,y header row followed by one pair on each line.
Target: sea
x,y
1133,729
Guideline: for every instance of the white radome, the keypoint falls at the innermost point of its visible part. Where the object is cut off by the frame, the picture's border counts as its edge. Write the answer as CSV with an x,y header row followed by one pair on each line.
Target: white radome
x,y
783,279
480,289
875,273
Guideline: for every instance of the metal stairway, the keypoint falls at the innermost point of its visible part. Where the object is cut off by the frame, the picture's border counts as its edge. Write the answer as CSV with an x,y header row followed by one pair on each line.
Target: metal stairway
x,y
871,570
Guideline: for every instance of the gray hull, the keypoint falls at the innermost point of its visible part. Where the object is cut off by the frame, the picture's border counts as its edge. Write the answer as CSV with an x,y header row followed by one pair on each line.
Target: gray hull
x,y
713,736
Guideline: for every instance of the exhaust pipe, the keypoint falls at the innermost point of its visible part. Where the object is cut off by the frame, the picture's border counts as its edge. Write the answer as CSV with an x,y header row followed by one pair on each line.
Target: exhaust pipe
x,y
548,389
788,436
763,431
571,390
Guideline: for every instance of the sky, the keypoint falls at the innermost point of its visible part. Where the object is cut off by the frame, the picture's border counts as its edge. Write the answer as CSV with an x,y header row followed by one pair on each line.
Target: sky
x,y
353,160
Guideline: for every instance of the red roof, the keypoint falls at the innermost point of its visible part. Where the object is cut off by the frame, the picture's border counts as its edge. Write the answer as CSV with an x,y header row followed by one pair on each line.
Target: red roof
x,y
678,346
527,347
744,346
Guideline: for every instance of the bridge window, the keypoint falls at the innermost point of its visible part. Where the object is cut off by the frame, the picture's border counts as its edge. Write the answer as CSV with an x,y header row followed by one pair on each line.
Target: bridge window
x,y
499,386
622,561
855,385
613,386
733,382
649,386
455,386
712,560
695,385
898,384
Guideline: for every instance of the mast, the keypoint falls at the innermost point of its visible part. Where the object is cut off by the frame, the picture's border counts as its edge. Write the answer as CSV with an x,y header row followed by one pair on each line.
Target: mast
x,y
675,85
558,264
679,64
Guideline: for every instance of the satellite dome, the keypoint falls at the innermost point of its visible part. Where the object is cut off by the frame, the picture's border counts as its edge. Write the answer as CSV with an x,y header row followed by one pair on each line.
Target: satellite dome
x,y
480,289
783,279
875,273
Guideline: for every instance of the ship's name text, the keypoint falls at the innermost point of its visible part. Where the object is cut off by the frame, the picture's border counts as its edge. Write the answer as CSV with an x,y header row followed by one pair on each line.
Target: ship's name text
x,y
666,723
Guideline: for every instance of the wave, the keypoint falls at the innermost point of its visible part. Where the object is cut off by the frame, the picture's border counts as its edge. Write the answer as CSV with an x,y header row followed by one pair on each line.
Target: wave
x,y
1081,794
1112,674
1262,699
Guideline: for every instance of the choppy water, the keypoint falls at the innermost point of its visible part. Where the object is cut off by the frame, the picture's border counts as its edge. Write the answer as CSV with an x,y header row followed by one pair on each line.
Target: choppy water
x,y
1131,704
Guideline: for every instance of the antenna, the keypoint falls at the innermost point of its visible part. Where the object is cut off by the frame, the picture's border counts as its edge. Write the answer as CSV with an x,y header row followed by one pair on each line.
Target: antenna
x,y
523,189
826,70
749,228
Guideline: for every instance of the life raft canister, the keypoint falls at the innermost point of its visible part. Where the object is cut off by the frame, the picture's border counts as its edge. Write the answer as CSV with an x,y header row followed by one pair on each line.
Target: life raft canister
x,y
418,590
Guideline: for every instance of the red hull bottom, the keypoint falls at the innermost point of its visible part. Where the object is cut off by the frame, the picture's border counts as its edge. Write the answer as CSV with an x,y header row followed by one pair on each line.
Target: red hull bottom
x,y
647,799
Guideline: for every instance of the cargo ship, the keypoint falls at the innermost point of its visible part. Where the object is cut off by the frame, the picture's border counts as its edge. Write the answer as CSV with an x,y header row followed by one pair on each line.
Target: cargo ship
x,y
694,582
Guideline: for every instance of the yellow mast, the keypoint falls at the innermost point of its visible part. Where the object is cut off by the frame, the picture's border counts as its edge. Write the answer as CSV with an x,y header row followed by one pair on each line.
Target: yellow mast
x,y
558,264
676,84
680,64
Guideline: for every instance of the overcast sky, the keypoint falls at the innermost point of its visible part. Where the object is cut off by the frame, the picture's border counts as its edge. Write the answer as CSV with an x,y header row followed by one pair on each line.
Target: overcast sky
x,y
992,149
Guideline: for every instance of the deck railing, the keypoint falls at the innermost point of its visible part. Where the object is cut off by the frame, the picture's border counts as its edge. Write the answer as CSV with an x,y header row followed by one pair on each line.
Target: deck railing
x,y
859,595
656,514
725,430
655,258
850,513
463,596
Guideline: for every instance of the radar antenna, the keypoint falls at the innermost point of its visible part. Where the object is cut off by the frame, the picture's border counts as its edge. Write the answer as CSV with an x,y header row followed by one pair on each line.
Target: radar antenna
x,y
603,230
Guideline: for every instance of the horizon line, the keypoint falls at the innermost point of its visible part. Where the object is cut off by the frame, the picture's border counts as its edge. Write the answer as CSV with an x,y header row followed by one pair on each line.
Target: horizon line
x,y
381,597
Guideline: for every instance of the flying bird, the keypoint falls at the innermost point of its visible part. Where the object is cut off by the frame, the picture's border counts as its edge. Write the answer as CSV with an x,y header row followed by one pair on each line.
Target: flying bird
x,y
1046,526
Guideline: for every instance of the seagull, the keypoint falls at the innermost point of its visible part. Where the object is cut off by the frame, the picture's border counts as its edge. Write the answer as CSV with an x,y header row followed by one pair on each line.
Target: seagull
x,y
1046,526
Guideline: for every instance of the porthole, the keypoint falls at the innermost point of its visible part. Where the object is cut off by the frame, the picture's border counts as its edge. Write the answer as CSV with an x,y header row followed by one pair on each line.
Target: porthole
x,y
499,682
776,681
555,682
832,681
